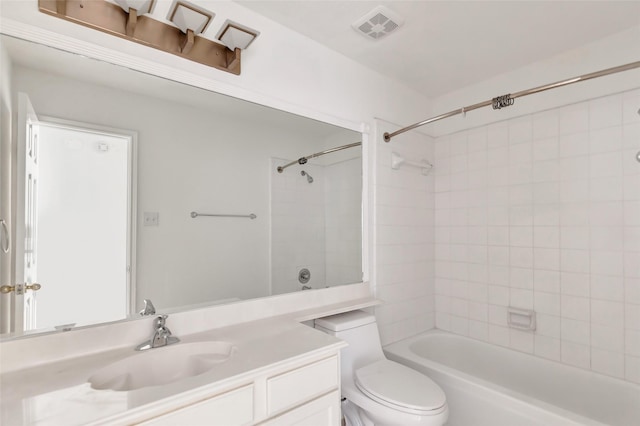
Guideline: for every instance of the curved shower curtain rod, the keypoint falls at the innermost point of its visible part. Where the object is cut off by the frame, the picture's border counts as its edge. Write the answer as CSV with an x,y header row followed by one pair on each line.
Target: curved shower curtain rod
x,y
507,100
303,160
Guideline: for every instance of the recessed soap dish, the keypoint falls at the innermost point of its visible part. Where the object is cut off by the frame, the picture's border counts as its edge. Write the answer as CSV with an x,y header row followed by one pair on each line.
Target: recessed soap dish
x,y
522,319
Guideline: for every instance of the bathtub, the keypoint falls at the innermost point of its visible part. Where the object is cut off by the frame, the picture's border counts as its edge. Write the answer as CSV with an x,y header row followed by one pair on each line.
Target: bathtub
x,y
495,386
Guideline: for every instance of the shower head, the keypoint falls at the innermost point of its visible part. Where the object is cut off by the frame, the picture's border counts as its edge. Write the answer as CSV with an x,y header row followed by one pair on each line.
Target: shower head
x,y
309,178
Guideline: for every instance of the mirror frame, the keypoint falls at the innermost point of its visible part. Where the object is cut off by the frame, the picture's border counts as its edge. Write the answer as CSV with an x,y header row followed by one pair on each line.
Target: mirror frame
x,y
147,66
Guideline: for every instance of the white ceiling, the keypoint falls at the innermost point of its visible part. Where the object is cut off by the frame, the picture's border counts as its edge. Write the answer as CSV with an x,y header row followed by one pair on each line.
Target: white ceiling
x,y
445,45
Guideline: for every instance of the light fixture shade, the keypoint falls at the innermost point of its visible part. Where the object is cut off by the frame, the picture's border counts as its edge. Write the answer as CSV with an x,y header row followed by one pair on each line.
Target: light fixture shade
x,y
187,16
141,6
234,35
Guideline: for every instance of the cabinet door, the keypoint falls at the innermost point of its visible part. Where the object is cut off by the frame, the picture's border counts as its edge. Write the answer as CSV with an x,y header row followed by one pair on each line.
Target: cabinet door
x,y
303,384
234,408
323,411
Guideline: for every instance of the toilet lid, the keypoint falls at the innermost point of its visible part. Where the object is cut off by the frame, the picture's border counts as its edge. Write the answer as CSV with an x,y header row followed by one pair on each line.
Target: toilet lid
x,y
400,387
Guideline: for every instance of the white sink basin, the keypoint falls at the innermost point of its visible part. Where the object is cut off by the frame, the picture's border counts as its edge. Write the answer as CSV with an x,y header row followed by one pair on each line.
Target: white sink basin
x,y
161,366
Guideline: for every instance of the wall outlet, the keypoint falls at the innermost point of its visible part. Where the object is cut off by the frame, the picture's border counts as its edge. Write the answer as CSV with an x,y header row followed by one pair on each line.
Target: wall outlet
x,y
151,218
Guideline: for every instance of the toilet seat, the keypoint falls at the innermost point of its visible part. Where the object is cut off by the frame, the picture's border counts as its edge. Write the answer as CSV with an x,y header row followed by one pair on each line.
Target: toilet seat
x,y
401,388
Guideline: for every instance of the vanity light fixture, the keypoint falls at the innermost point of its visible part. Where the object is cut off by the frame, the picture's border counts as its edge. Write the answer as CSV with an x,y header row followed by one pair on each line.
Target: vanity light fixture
x,y
131,20
191,19
236,36
135,8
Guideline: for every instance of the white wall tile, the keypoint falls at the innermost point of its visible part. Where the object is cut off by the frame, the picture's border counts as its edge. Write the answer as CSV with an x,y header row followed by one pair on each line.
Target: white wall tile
x,y
547,281
607,362
608,338
574,237
606,287
479,330
545,125
521,340
576,354
573,145
498,335
546,259
497,135
631,134
605,312
520,130
607,263
632,316
605,112
575,284
575,331
632,342
574,261
546,149
498,295
521,298
546,236
574,307
605,140
632,368
546,303
548,325
573,119
547,347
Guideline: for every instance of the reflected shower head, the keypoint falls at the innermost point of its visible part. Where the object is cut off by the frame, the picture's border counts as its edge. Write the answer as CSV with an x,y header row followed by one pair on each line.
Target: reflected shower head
x,y
309,178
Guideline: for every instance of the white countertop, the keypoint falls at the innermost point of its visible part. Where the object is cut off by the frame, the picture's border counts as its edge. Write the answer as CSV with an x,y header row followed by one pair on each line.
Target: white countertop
x,y
58,393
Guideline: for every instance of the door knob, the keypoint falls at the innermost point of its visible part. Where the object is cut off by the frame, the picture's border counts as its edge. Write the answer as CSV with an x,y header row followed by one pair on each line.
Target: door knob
x,y
19,288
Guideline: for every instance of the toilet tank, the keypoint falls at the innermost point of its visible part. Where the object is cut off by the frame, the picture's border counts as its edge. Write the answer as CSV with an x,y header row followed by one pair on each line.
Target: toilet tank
x,y
360,331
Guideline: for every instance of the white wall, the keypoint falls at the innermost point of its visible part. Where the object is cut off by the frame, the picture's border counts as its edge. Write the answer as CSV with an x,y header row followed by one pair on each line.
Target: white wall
x,y
184,165
542,212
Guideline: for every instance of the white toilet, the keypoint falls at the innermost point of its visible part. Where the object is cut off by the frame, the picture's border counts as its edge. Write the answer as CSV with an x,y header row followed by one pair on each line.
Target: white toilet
x,y
378,391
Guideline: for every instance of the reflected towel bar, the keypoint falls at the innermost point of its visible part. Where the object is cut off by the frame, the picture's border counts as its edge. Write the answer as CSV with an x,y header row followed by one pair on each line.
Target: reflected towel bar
x,y
196,214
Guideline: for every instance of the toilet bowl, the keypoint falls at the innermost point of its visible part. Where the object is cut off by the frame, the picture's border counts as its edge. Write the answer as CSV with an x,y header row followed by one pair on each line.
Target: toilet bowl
x,y
379,391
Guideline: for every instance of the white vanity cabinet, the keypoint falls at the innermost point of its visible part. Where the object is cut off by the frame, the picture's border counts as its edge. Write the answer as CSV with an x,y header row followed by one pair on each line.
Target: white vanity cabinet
x,y
230,409
306,392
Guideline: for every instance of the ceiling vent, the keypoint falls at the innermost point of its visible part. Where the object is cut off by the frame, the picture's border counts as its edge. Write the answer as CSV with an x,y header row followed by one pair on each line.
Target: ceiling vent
x,y
378,23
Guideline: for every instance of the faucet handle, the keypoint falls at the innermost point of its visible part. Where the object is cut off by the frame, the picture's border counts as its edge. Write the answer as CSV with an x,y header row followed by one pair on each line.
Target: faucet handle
x,y
149,309
160,321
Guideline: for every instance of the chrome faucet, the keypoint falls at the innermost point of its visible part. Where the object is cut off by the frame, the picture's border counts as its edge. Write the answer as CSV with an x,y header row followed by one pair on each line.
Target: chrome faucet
x,y
161,335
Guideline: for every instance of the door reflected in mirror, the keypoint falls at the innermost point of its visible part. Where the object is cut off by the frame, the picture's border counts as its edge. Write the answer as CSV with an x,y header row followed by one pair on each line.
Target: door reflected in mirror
x,y
128,203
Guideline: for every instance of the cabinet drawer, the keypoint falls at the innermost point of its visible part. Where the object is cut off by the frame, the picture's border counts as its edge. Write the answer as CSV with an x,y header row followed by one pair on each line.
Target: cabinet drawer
x,y
324,411
233,408
303,384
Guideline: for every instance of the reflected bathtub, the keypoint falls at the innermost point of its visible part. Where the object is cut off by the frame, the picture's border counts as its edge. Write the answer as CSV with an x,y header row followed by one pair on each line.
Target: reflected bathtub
x,y
491,385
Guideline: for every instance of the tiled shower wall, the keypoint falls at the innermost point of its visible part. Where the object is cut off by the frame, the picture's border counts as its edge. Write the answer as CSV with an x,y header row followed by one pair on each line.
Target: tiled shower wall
x,y
404,248
542,212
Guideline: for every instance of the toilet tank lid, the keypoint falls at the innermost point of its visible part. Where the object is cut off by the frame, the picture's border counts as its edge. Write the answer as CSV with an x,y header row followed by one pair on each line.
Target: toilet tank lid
x,y
345,320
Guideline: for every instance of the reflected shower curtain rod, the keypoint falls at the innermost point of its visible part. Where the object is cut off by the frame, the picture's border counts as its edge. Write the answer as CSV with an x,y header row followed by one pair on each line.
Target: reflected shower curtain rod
x,y
303,160
507,100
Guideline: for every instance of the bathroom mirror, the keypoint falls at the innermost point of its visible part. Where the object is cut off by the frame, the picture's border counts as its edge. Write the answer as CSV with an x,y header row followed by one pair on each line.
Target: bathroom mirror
x,y
145,188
